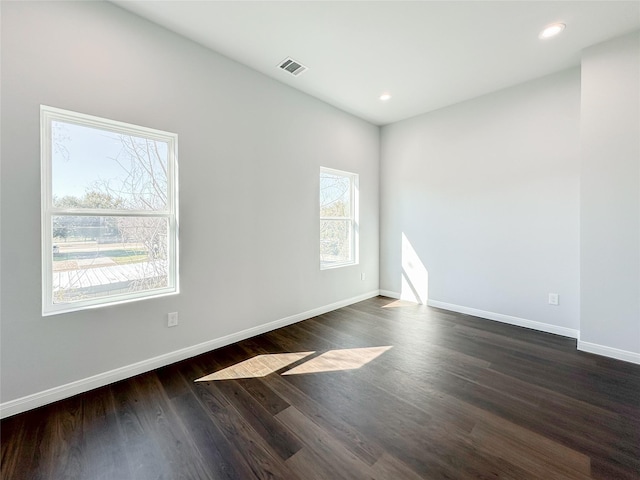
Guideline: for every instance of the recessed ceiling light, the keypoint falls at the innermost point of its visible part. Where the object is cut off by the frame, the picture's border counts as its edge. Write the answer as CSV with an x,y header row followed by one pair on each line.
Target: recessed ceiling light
x,y
551,30
384,97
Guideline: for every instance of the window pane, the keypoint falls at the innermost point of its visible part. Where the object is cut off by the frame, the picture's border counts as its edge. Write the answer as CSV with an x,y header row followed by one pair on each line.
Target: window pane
x,y
335,241
335,195
95,257
95,168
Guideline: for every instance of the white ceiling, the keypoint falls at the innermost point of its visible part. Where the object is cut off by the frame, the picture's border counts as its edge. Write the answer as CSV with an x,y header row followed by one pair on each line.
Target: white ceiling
x,y
427,54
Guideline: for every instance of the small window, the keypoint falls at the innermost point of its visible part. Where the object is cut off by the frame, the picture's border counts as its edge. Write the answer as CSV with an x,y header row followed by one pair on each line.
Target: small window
x,y
109,211
338,218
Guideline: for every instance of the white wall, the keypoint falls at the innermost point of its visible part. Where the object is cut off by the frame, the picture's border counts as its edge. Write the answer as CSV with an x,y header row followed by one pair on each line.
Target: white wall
x,y
610,198
250,152
486,193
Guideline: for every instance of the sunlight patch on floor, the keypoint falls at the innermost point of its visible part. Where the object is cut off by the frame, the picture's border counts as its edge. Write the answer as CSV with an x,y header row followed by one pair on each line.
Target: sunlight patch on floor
x,y
400,303
331,361
339,360
256,367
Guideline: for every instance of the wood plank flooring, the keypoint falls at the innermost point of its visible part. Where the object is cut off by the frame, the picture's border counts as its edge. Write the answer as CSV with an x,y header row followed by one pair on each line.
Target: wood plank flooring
x,y
378,390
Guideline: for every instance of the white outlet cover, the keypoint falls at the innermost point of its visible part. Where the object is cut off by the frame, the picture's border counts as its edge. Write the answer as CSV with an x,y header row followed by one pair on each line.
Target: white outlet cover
x,y
172,319
554,299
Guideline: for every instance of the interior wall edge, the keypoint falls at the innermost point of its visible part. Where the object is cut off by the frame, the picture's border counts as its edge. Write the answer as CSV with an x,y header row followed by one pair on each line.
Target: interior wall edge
x,y
390,294
610,352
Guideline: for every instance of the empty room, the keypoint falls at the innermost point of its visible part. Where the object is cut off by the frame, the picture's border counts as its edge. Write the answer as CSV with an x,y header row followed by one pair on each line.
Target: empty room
x,y
319,240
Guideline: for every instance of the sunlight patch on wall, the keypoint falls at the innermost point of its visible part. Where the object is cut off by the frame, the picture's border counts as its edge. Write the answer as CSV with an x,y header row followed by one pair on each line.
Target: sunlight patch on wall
x,y
415,277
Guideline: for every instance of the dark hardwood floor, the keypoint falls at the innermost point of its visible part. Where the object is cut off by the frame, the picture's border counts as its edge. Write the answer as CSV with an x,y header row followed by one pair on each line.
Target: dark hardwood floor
x,y
377,390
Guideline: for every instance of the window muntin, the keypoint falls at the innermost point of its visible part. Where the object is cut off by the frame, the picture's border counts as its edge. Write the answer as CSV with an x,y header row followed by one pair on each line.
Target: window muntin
x,y
109,211
338,218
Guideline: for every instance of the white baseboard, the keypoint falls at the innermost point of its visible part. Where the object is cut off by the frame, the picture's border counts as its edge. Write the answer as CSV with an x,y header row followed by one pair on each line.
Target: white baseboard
x,y
499,317
390,294
603,350
611,352
51,395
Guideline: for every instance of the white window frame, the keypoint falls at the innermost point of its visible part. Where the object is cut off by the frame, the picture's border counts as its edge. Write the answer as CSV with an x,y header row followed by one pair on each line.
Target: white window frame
x,y
354,230
47,116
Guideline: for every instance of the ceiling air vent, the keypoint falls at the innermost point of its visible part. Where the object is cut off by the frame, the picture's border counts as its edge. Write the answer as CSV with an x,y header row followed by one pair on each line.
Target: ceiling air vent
x,y
293,67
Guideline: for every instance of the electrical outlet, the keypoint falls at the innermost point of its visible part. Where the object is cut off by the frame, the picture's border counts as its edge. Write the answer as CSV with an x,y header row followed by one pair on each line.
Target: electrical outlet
x,y
554,299
172,319
362,276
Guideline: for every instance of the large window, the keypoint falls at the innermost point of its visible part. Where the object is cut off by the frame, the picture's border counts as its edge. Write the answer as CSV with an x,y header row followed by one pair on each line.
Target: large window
x,y
338,218
109,211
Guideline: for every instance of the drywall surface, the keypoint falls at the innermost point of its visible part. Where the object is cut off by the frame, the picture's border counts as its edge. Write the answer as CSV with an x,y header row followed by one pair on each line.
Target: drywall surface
x,y
250,150
480,203
610,194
